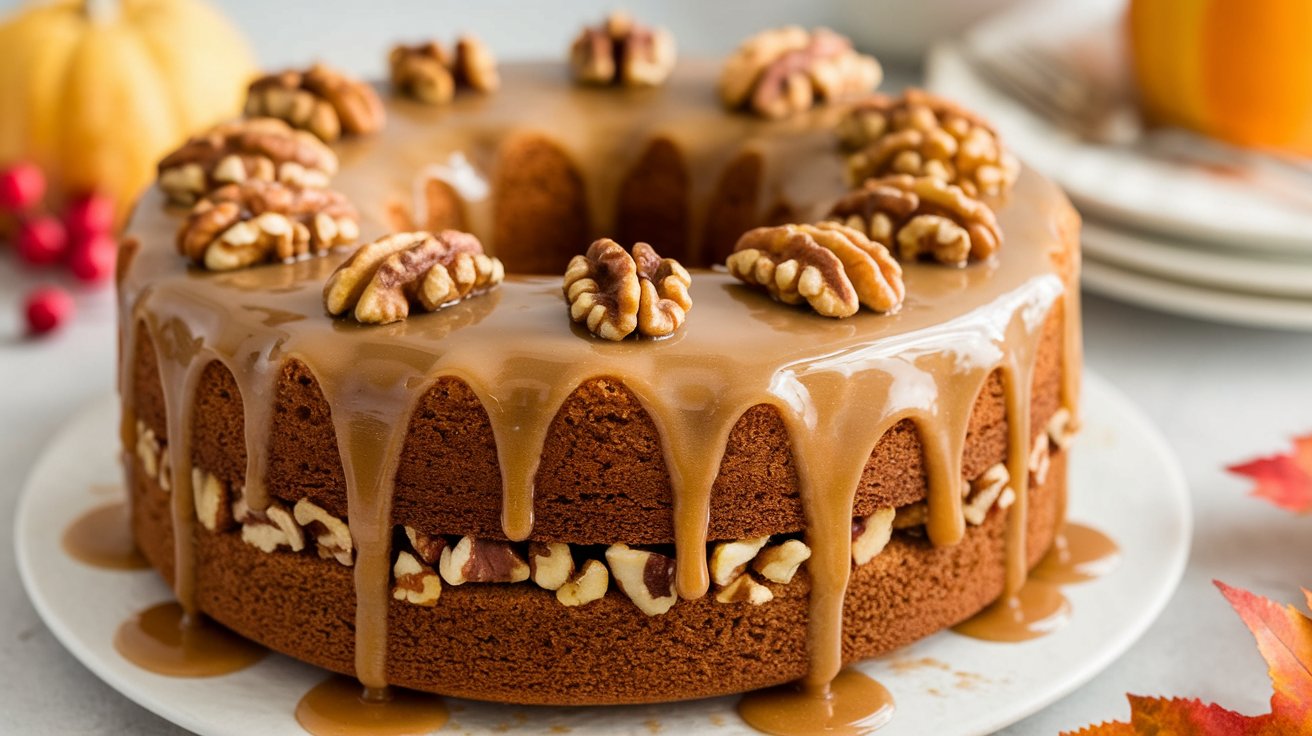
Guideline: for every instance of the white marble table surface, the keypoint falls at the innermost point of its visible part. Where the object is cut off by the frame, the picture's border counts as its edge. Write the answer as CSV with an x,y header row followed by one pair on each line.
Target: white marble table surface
x,y
1219,394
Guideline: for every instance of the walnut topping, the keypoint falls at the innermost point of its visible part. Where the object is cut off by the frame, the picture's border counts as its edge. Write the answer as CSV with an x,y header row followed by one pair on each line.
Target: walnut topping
x,y
211,499
984,492
427,548
381,281
743,589
331,534
1062,428
615,293
239,225
482,561
729,559
782,71
269,529
647,578
428,73
321,100
415,582
588,585
779,563
832,267
550,564
622,52
922,216
231,153
148,450
476,66
870,534
924,135
1040,459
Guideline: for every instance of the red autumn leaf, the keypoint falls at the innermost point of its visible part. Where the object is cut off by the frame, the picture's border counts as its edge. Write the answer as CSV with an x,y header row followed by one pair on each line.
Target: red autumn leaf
x,y
1284,479
1284,638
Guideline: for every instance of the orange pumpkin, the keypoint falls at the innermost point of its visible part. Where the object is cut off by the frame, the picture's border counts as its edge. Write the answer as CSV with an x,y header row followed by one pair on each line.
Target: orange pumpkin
x,y
96,91
1239,71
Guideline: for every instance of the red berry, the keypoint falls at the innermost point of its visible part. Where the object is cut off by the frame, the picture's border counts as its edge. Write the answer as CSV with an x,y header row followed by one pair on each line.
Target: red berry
x,y
47,308
92,260
41,241
21,187
88,216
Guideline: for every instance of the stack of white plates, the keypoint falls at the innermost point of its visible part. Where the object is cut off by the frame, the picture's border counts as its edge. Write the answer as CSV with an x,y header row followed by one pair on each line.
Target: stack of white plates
x,y
1158,233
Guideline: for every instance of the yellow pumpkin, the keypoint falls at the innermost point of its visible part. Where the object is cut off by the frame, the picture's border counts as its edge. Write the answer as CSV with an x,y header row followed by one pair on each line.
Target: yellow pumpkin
x,y
96,91
1240,71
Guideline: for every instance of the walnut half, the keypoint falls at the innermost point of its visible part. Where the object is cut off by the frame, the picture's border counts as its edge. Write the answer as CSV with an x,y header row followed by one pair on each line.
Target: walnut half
x,y
622,52
616,293
925,135
833,268
240,225
253,148
322,100
922,216
783,71
428,73
380,281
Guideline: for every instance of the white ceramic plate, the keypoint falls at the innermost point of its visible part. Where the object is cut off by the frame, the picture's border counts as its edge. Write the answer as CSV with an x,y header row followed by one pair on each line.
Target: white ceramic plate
x,y
1114,183
1159,255
1125,481
1191,300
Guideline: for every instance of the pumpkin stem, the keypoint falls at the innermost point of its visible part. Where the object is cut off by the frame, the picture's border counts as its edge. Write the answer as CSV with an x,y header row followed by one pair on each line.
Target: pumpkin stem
x,y
99,11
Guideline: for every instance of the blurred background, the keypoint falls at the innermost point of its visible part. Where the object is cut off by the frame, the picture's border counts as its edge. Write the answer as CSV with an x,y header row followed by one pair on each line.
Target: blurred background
x,y
357,35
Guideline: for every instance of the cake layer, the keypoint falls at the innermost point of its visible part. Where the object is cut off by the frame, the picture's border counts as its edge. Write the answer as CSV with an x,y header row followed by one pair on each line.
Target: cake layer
x,y
516,643
602,478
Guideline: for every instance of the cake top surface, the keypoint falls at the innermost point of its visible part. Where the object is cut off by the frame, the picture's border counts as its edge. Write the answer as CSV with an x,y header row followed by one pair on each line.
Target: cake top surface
x,y
281,304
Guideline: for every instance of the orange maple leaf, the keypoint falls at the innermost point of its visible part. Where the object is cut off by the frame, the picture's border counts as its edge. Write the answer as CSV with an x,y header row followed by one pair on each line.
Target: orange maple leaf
x,y
1283,479
1284,638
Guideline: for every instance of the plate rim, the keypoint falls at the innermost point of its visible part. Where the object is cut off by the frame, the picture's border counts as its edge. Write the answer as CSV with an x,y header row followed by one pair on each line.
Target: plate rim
x,y
1194,263
1194,301
1126,412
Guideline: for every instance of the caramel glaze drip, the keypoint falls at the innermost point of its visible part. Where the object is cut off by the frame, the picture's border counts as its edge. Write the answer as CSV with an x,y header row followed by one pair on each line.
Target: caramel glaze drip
x,y
102,537
338,706
838,384
166,640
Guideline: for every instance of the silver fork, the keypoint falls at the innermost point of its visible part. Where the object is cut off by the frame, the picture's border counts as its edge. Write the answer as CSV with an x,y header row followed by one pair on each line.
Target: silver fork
x,y
1058,90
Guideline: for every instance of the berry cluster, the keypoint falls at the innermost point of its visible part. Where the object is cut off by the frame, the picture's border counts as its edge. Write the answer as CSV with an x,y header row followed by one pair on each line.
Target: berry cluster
x,y
81,239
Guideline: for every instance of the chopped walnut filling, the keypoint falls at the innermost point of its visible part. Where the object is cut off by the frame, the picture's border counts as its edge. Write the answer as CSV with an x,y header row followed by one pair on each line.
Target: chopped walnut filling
x,y
241,225
428,73
617,294
834,268
924,135
922,217
380,282
233,152
783,71
622,52
321,100
742,571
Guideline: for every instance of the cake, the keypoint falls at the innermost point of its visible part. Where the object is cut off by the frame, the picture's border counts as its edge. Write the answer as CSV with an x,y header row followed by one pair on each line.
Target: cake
x,y
488,501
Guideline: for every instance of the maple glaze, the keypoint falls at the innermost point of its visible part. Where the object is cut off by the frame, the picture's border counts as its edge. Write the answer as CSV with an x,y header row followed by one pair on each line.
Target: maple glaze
x,y
102,537
340,706
165,640
851,705
839,385
1079,553
1036,610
